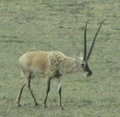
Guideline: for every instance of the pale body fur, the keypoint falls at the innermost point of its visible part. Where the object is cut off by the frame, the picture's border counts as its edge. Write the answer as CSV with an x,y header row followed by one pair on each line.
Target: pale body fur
x,y
47,63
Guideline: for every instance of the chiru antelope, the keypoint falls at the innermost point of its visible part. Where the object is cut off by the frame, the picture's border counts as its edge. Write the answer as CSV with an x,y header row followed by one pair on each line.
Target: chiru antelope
x,y
52,65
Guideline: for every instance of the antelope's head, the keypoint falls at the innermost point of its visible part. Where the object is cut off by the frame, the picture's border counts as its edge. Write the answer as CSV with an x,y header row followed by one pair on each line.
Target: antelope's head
x,y
86,56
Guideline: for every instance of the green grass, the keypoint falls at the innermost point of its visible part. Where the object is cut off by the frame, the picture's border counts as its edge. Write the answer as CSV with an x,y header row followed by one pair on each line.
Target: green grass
x,y
42,25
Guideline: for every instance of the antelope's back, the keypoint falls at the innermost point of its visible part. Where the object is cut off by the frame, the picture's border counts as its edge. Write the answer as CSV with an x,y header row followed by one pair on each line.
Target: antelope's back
x,y
34,59
39,59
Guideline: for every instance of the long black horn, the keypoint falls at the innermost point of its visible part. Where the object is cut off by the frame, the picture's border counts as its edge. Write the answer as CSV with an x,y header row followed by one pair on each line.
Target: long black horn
x,y
94,41
85,45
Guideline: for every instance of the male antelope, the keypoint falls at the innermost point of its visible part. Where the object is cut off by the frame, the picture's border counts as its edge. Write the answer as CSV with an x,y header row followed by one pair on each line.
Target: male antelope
x,y
52,64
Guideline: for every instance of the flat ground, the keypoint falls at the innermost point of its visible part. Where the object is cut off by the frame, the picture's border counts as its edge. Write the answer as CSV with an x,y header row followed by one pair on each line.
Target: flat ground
x,y
59,25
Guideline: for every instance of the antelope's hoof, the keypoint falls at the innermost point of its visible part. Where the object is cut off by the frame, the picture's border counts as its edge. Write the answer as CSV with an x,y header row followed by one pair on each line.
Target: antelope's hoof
x,y
18,104
36,104
45,106
62,108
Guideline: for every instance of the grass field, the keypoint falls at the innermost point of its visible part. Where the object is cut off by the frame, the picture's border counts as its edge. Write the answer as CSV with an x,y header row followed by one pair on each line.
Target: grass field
x,y
59,25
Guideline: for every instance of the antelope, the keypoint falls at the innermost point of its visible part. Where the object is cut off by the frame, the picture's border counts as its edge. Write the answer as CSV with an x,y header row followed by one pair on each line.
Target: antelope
x,y
52,65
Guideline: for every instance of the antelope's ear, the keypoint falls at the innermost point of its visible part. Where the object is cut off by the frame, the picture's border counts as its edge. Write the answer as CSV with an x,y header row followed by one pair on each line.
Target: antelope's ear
x,y
81,54
81,57
77,58
74,56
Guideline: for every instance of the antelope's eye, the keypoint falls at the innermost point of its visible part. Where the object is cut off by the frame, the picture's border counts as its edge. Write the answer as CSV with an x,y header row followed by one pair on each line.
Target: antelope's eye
x,y
82,64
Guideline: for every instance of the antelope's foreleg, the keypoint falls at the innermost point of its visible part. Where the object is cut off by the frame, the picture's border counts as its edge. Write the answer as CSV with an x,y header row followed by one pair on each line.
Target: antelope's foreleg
x,y
59,91
47,91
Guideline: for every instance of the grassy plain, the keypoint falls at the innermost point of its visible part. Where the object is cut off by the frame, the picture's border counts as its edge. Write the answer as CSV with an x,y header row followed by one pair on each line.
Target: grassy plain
x,y
58,25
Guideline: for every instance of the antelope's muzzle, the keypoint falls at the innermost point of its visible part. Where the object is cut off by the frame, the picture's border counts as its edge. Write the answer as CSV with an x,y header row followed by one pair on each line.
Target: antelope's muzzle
x,y
89,73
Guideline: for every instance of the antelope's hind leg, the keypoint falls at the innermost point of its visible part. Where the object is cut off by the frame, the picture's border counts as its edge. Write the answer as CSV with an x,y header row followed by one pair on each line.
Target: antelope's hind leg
x,y
29,87
27,82
22,85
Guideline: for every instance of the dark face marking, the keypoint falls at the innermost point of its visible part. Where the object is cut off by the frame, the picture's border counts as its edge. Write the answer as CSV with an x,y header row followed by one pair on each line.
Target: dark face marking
x,y
87,69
